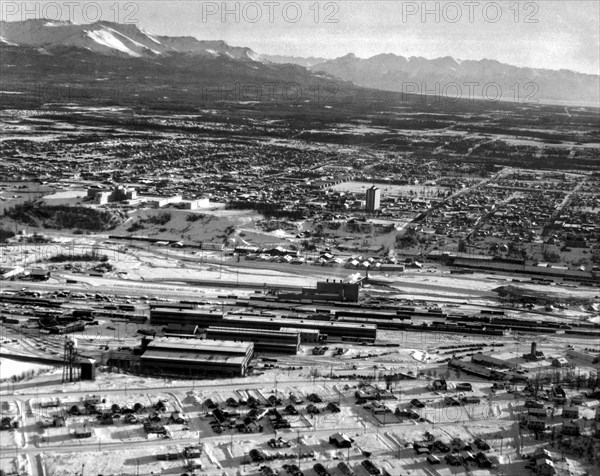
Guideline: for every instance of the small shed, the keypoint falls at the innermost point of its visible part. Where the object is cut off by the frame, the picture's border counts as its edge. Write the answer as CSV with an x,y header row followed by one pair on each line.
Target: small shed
x,y
560,362
340,440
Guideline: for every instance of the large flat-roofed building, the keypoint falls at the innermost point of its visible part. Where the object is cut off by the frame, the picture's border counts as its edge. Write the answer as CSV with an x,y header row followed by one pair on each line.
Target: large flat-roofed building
x,y
344,291
332,329
327,291
202,318
307,336
10,272
474,369
196,357
489,361
280,341
181,330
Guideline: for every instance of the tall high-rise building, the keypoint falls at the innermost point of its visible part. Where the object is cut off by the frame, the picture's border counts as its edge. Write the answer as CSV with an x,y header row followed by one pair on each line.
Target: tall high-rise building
x,y
373,198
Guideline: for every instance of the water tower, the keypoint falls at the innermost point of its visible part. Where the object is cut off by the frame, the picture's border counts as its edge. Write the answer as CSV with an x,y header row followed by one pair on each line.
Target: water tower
x,y
69,357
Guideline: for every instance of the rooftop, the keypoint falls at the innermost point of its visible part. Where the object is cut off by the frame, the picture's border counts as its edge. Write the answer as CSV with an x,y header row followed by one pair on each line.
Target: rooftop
x,y
193,357
290,322
162,344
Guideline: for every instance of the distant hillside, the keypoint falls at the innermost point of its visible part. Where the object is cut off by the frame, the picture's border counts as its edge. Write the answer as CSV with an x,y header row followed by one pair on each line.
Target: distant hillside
x,y
114,64
448,77
63,217
297,60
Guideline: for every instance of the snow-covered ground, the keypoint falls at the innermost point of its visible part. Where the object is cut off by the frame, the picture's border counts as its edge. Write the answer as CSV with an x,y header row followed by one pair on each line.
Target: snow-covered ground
x,y
9,367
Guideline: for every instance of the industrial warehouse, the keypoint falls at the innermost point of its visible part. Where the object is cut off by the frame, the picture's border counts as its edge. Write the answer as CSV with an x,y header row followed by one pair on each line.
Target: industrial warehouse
x,y
195,357
283,341
330,330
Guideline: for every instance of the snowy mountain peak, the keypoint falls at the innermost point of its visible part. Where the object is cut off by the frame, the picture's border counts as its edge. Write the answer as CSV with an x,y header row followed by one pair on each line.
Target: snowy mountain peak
x,y
114,39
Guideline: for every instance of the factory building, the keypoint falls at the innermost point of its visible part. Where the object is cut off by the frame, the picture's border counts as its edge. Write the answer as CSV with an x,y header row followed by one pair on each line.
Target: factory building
x,y
489,361
196,357
181,330
343,291
332,330
162,316
474,369
333,290
264,340
307,336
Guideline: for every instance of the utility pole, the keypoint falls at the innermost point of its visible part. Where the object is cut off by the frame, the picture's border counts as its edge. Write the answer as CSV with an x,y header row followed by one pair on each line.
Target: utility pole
x,y
298,432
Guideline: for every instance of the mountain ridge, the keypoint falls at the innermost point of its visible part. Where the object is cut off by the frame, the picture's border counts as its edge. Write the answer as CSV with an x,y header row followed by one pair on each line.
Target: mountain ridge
x,y
116,39
449,78
446,77
440,76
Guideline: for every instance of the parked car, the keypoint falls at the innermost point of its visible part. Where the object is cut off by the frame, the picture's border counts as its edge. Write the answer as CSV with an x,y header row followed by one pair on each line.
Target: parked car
x,y
232,402
321,470
257,455
452,460
370,467
417,403
293,469
481,444
441,446
451,402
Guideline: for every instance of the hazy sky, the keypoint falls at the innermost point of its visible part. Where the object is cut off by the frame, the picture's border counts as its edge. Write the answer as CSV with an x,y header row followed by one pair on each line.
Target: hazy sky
x,y
545,33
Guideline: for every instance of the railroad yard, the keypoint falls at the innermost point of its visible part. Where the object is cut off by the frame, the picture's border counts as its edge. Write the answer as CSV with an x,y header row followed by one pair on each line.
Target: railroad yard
x,y
355,281
410,401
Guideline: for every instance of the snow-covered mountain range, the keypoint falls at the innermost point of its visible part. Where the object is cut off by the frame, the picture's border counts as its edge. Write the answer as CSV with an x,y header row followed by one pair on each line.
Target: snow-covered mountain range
x,y
456,78
113,39
73,46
